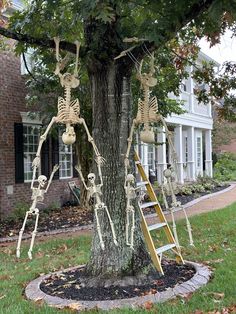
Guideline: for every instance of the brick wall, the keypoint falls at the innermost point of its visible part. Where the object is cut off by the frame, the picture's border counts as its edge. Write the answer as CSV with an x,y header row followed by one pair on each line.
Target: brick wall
x,y
231,148
12,102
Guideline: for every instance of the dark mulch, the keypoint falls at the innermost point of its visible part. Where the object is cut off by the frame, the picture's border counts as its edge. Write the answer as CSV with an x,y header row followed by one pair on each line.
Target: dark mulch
x,y
184,199
71,216
65,217
68,285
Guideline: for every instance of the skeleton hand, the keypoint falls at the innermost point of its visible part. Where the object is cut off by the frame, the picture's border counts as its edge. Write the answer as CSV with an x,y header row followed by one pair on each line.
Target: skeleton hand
x,y
100,160
78,168
126,162
55,168
36,162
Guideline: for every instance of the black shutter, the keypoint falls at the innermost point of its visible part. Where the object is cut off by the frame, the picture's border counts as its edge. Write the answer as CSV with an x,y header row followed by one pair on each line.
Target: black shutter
x,y
19,152
74,161
45,161
55,154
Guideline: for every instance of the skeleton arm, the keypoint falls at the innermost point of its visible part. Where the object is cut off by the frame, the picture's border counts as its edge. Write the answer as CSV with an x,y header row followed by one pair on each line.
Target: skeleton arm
x,y
78,169
55,168
130,139
43,137
99,159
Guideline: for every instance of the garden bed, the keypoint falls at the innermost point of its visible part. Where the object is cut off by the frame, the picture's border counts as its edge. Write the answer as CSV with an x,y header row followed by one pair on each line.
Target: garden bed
x,y
70,284
74,216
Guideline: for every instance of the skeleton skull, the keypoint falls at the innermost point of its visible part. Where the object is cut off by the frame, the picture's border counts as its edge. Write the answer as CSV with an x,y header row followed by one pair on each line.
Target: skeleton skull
x,y
91,177
69,80
42,180
69,137
167,173
130,178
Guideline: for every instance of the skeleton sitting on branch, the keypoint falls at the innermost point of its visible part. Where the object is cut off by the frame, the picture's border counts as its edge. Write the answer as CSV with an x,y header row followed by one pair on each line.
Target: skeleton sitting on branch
x,y
94,190
68,110
37,197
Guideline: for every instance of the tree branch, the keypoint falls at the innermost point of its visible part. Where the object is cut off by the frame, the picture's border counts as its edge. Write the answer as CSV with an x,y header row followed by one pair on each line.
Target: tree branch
x,y
165,35
42,42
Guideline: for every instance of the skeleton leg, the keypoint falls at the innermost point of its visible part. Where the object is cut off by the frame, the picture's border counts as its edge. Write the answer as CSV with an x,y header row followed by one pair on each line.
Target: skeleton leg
x,y
174,228
130,139
33,233
129,211
99,228
188,228
21,233
112,226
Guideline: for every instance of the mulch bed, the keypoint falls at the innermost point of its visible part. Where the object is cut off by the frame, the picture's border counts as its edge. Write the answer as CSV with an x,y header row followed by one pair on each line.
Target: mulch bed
x,y
71,216
68,285
65,217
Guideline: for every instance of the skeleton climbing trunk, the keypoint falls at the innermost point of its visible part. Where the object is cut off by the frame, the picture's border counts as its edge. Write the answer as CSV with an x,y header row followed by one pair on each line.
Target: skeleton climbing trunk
x,y
112,109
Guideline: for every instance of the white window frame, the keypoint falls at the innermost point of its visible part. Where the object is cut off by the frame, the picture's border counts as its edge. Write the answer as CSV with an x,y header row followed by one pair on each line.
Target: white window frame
x,y
63,163
30,155
151,156
199,151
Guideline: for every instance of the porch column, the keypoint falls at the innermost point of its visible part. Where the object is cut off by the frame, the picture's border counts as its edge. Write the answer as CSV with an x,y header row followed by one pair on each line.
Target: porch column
x,y
191,153
145,158
178,136
208,153
161,154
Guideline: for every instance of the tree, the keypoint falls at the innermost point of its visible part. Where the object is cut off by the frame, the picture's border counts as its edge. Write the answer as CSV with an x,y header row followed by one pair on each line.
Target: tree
x,y
171,28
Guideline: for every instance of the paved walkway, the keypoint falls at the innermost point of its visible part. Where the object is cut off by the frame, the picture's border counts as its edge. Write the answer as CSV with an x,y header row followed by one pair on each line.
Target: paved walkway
x,y
205,204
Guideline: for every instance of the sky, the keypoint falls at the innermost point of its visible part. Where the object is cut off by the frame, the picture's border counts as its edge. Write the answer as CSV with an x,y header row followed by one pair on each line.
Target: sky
x,y
225,51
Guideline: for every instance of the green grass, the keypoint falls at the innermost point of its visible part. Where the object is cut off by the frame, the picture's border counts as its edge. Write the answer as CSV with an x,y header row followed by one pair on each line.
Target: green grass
x,y
215,243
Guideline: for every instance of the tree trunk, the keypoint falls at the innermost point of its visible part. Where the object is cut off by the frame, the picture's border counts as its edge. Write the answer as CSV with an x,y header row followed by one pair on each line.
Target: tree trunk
x,y
112,109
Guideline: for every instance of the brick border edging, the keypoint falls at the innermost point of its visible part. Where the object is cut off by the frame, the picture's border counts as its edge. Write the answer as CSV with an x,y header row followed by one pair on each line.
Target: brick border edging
x,y
90,226
202,276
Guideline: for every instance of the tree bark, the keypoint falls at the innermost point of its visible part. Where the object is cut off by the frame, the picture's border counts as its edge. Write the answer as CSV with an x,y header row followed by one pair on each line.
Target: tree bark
x,y
111,100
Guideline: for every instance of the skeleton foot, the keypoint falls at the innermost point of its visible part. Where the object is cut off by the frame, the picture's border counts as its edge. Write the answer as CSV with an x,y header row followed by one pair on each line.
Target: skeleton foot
x,y
18,253
29,255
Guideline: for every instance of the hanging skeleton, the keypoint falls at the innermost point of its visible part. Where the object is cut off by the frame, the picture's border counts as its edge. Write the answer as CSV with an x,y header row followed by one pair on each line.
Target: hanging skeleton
x,y
68,110
170,177
94,190
147,114
130,192
37,197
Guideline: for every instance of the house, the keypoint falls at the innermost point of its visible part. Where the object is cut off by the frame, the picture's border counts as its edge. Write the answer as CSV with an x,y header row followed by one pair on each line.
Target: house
x,y
192,137
19,141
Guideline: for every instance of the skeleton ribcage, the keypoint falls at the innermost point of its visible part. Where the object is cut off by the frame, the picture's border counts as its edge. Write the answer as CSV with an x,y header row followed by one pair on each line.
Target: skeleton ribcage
x,y
68,113
147,112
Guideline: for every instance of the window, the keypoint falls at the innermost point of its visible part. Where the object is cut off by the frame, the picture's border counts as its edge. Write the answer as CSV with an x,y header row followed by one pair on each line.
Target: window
x,y
31,135
199,152
186,149
151,157
65,160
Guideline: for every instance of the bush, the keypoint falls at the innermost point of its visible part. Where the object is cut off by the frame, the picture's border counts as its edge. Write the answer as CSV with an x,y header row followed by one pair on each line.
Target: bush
x,y
18,212
225,168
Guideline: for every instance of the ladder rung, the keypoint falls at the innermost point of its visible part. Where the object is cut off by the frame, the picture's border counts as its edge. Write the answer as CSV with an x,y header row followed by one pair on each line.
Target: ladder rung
x,y
157,226
141,183
165,248
149,204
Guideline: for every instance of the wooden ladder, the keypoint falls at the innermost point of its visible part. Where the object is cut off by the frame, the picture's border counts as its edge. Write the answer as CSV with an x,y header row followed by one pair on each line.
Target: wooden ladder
x,y
156,253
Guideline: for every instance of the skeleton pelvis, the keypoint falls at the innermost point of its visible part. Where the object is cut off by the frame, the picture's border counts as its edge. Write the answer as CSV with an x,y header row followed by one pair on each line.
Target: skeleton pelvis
x,y
147,135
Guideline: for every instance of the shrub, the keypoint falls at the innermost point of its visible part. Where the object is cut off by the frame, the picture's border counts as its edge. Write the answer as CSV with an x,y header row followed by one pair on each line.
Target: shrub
x,y
225,168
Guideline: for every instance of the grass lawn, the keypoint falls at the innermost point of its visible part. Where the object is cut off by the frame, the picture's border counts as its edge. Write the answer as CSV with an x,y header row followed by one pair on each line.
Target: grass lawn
x,y
215,240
